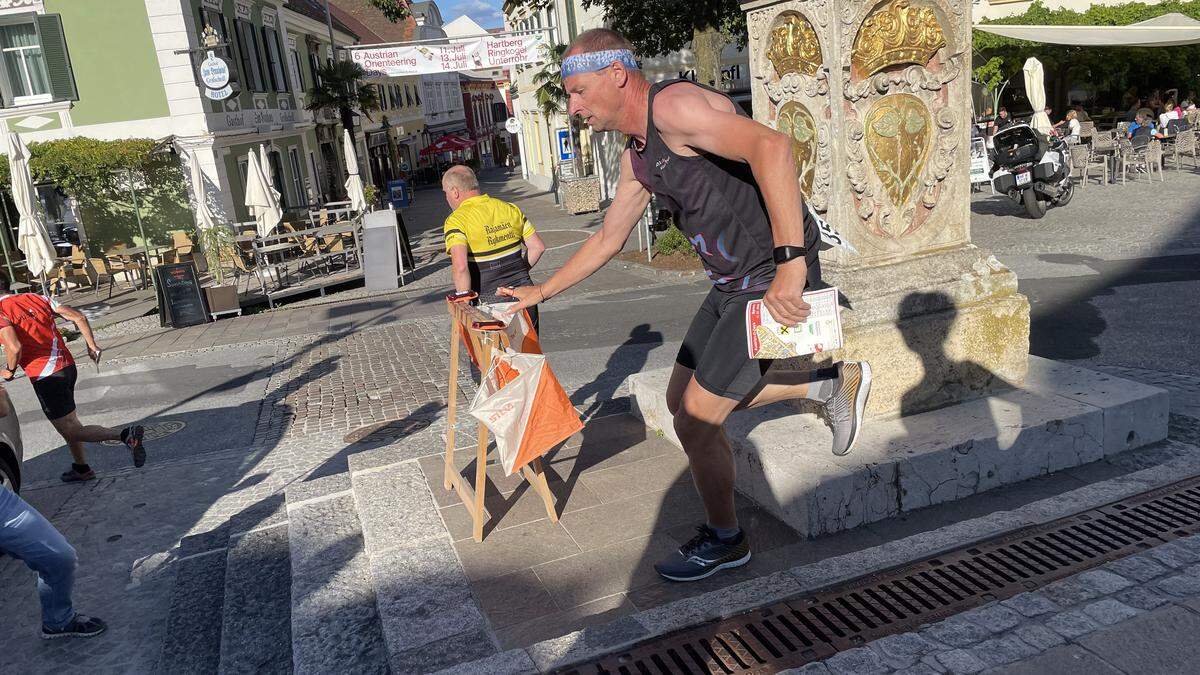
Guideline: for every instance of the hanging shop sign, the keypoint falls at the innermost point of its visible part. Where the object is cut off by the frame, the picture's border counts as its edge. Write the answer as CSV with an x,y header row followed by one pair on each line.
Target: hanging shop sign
x,y
468,54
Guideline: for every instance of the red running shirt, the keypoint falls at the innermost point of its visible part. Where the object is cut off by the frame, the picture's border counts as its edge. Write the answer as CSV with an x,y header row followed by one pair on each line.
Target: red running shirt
x,y
43,350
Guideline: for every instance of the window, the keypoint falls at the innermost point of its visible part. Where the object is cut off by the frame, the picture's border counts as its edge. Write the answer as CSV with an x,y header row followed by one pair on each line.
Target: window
x,y
251,63
277,175
417,95
394,92
297,181
314,65
296,69
24,63
407,95
274,63
316,175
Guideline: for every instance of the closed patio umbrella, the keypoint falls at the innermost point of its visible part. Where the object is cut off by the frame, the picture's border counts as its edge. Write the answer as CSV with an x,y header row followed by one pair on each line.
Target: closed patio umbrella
x,y
354,184
261,199
32,237
1035,91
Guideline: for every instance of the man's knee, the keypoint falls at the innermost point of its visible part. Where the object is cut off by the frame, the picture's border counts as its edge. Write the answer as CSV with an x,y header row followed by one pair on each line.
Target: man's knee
x,y
695,425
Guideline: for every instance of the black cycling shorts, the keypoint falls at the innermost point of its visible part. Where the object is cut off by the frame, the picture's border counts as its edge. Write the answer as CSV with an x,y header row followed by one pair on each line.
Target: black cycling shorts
x,y
715,346
56,392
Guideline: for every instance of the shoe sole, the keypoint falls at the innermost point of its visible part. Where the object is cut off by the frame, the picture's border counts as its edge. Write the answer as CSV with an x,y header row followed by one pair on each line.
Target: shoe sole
x,y
79,480
723,566
55,636
860,405
136,448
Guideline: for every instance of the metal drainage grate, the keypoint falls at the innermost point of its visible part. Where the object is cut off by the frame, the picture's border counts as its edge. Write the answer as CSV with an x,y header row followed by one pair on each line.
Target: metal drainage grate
x,y
816,626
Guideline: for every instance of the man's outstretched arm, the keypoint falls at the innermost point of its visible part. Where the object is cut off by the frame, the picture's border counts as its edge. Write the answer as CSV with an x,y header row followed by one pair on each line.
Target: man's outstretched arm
x,y
684,116
622,215
85,328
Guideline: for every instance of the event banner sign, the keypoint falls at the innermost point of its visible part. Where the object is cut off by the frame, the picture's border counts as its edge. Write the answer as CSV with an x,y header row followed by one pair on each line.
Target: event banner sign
x,y
424,59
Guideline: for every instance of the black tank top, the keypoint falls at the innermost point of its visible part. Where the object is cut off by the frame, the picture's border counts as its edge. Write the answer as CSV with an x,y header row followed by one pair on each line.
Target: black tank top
x,y
716,203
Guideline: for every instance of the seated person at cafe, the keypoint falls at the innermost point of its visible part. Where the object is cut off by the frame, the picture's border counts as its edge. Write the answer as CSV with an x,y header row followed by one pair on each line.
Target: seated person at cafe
x,y
1170,112
484,237
1080,113
1141,130
1073,127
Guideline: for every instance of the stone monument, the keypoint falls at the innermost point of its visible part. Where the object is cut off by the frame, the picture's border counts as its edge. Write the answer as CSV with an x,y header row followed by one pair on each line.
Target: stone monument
x,y
874,96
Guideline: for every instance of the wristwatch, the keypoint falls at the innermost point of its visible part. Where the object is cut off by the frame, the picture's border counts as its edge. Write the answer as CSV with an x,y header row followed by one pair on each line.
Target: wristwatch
x,y
785,253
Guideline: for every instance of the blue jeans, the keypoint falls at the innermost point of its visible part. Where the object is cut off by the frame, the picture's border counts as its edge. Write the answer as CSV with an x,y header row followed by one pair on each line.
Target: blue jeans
x,y
27,536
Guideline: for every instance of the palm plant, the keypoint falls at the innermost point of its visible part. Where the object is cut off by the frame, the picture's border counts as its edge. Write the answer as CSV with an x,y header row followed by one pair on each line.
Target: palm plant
x,y
340,88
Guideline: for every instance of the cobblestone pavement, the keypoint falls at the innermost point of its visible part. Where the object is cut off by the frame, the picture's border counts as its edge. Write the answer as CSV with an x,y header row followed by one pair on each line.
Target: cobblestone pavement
x,y
339,383
1139,614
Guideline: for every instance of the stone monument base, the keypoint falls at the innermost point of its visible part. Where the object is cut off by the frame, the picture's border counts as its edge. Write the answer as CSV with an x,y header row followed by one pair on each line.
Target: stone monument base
x,y
938,328
1064,416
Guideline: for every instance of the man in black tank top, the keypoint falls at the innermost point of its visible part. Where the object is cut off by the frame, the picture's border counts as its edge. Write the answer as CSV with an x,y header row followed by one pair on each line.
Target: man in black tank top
x,y
732,186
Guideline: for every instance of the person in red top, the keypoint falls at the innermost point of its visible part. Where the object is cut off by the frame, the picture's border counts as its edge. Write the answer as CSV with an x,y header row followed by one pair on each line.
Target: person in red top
x,y
31,340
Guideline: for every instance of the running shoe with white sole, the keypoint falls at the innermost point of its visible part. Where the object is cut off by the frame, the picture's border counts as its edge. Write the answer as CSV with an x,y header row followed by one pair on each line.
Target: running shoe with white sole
x,y
845,409
704,556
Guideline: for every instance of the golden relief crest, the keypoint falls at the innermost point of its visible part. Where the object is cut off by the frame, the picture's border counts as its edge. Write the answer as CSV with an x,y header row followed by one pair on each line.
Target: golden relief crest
x,y
794,46
899,130
797,124
894,34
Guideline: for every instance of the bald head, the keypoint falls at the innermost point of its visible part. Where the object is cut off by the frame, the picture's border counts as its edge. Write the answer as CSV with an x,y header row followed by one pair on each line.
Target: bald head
x,y
461,177
598,40
460,184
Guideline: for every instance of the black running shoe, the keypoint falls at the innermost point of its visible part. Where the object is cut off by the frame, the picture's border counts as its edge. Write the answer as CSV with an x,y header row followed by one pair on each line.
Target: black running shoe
x,y
76,476
704,556
80,626
132,438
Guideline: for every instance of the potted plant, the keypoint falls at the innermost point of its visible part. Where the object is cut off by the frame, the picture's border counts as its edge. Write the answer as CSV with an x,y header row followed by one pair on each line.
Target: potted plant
x,y
218,247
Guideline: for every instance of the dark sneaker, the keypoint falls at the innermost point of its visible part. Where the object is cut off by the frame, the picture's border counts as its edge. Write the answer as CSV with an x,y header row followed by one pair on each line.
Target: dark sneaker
x,y
132,438
75,476
80,626
704,556
844,409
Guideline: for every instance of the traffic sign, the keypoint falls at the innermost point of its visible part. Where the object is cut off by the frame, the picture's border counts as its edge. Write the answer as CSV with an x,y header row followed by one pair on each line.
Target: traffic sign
x,y
564,145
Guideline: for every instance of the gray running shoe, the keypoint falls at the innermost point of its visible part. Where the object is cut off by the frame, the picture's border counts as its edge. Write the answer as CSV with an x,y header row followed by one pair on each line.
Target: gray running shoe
x,y
704,556
844,409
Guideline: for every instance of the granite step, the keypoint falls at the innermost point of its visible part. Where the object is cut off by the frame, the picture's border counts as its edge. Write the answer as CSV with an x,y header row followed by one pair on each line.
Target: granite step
x,y
256,629
1064,416
335,626
192,636
429,616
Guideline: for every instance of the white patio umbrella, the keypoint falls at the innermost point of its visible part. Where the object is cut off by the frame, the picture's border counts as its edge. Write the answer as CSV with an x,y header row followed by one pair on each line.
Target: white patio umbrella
x,y
261,199
203,213
1035,91
32,237
354,184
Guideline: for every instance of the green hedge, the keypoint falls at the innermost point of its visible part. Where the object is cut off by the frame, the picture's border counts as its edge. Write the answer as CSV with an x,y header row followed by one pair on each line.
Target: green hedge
x,y
672,241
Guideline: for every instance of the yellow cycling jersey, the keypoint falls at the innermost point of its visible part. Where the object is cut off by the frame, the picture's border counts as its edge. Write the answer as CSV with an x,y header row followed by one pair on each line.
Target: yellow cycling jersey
x,y
488,227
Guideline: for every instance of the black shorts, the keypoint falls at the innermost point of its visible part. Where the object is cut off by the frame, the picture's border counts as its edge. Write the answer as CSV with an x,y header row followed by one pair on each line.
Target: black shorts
x,y
715,345
56,392
512,271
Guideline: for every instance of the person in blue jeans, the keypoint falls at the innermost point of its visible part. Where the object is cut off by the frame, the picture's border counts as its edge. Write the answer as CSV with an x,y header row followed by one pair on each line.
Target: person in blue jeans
x,y
26,535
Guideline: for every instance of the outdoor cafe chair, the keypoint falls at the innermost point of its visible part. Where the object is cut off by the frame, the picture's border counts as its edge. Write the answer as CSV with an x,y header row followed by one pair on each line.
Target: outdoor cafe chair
x,y
1084,161
1185,144
127,265
101,269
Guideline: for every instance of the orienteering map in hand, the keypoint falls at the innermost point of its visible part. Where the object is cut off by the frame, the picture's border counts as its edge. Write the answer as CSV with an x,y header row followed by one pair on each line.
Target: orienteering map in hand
x,y
821,332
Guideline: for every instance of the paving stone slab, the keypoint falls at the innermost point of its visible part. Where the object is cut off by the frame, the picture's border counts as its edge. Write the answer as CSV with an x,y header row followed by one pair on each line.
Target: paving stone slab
x,y
1160,641
256,629
511,662
1062,660
588,643
395,507
422,594
192,641
335,624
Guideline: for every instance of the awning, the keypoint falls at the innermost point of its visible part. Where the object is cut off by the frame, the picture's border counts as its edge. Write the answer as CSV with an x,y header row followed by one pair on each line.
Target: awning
x,y
1168,30
449,143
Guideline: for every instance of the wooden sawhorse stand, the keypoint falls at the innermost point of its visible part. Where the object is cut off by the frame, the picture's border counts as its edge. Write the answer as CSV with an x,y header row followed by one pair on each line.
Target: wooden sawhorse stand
x,y
485,339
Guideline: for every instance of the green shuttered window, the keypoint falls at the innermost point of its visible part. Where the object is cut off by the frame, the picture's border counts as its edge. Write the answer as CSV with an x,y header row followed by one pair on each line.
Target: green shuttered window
x,y
57,58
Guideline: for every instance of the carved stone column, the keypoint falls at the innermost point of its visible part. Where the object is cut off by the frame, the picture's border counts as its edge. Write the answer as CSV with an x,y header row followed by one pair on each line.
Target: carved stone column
x,y
875,97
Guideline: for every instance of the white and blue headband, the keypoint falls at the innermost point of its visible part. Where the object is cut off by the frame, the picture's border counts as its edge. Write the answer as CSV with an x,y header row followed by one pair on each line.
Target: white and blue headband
x,y
593,61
